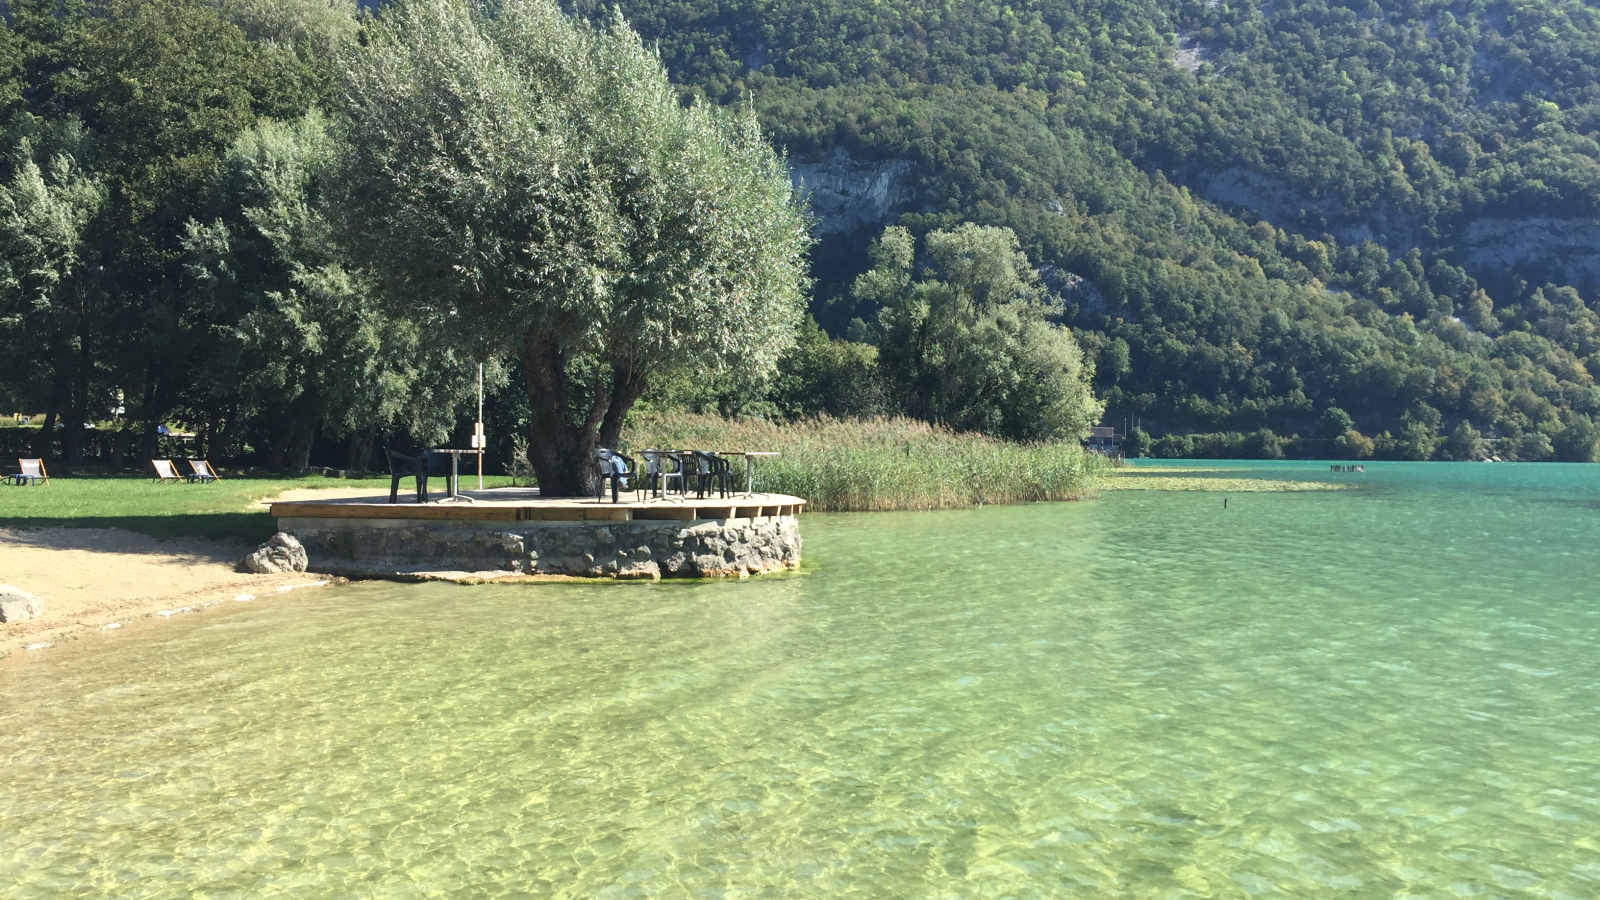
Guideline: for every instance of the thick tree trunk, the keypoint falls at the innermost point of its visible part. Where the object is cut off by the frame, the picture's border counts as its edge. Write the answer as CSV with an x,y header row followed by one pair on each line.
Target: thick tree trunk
x,y
560,444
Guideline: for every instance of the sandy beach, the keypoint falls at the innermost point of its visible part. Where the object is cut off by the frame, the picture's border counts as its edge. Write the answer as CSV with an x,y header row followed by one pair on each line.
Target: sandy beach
x,y
91,578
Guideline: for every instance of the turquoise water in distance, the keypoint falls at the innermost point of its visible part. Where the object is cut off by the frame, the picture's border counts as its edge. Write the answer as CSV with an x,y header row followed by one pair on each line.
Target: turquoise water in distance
x,y
1386,692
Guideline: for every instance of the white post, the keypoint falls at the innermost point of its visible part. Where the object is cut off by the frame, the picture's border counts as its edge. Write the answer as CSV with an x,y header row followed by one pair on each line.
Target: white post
x,y
478,439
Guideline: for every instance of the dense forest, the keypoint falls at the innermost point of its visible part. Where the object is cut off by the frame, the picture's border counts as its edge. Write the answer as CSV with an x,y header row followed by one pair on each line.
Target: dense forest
x,y
1297,216
1309,227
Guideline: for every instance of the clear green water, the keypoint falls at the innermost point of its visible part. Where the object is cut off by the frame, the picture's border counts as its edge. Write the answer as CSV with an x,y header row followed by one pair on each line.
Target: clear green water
x,y
1390,692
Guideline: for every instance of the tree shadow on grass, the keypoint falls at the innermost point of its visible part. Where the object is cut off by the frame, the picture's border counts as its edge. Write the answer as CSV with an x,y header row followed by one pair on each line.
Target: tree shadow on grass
x,y
245,526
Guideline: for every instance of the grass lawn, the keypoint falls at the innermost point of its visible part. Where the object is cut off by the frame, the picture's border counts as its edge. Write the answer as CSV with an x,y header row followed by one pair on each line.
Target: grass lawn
x,y
225,509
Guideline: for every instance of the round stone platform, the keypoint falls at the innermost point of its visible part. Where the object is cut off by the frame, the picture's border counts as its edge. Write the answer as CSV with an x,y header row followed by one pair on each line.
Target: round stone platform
x,y
513,532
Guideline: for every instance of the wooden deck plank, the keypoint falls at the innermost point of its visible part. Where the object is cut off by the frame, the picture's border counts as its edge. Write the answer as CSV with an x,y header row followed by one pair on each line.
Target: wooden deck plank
x,y
524,505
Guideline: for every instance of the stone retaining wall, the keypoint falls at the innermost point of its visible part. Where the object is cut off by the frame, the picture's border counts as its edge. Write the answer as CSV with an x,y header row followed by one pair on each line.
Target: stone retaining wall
x,y
706,548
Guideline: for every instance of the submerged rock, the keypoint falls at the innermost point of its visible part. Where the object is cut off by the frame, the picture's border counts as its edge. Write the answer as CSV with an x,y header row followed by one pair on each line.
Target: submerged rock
x,y
17,605
281,554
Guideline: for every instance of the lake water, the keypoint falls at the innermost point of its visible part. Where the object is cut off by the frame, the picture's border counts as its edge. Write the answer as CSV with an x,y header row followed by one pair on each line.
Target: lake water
x,y
1386,692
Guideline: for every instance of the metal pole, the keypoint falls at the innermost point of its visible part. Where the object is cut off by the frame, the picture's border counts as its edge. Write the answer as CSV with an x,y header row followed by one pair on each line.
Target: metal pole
x,y
480,441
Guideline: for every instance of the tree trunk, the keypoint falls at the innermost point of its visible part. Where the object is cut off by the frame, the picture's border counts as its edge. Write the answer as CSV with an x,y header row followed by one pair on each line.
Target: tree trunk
x,y
560,449
77,413
626,388
300,452
279,449
152,441
47,432
119,449
360,452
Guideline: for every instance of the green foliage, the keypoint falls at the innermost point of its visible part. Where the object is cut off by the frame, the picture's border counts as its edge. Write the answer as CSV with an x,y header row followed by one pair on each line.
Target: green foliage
x,y
826,376
145,97
511,168
1377,138
883,464
1136,444
970,343
1579,441
1465,443
1354,445
299,338
521,183
1260,444
1534,446
1336,421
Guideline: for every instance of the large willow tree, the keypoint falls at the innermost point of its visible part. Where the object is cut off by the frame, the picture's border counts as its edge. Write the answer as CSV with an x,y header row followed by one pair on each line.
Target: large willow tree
x,y
524,183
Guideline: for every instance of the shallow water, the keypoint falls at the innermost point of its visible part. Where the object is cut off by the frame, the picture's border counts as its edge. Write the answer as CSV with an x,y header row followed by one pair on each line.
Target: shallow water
x,y
1392,691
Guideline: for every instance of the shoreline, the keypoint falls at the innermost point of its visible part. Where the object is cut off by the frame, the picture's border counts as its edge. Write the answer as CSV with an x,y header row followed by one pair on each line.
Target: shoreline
x,y
98,580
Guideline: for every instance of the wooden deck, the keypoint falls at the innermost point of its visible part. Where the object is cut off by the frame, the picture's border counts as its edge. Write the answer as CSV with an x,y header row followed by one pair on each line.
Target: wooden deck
x,y
525,505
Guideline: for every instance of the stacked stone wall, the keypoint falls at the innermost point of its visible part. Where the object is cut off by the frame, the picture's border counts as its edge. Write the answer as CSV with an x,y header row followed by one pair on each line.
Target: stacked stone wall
x,y
709,548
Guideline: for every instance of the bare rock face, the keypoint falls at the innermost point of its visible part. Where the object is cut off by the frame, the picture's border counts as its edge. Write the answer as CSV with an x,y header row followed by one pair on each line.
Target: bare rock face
x,y
845,194
17,605
281,554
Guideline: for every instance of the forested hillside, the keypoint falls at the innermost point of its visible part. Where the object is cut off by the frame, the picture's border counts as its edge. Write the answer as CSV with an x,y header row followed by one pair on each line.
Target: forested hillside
x,y
1254,212
1371,226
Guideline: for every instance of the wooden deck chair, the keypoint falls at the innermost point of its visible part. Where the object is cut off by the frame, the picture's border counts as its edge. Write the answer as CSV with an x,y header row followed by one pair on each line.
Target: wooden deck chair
x,y
32,472
166,472
203,472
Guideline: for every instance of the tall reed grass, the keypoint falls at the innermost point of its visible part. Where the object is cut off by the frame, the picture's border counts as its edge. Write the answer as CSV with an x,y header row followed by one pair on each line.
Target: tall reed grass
x,y
880,464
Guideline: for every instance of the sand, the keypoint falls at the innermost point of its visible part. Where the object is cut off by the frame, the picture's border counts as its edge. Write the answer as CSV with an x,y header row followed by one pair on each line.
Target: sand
x,y
91,578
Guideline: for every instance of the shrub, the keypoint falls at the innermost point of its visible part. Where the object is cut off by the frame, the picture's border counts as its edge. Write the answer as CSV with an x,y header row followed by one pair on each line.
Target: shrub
x,y
1579,441
1534,446
1354,445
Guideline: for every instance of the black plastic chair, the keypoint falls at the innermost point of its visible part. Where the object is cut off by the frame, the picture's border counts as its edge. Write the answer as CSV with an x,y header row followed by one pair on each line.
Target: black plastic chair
x,y
661,467
403,466
714,471
619,480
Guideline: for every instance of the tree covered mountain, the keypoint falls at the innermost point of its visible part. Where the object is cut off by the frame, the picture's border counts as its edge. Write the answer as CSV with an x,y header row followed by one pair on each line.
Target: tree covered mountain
x,y
1373,225
1255,212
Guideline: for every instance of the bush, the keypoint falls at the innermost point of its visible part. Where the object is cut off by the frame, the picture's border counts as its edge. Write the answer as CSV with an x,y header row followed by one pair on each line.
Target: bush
x,y
1336,422
1354,445
1262,444
821,376
1534,446
1465,443
1137,444
1579,441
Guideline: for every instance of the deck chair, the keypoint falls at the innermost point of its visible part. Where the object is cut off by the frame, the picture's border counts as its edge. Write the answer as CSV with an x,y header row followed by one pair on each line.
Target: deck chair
x,y
203,472
32,472
166,472
403,466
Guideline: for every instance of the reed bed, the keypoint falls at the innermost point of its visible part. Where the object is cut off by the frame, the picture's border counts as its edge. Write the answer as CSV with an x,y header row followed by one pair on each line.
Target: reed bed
x,y
881,464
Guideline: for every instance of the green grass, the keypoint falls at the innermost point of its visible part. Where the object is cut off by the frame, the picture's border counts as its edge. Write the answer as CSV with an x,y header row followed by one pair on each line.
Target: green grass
x,y
881,464
137,504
